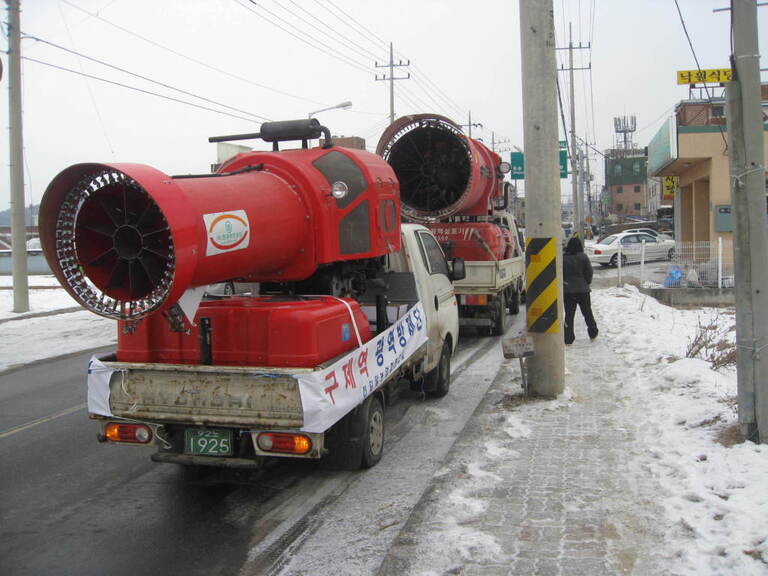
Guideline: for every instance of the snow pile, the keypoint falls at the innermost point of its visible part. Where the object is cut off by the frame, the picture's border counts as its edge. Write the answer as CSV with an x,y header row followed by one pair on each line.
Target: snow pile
x,y
716,493
43,300
28,339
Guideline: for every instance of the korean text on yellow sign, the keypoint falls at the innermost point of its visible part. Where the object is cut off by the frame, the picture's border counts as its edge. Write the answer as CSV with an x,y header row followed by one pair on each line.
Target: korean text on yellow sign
x,y
711,76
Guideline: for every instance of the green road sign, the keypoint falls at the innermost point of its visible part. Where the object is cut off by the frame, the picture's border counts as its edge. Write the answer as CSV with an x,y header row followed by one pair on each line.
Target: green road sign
x,y
517,160
563,163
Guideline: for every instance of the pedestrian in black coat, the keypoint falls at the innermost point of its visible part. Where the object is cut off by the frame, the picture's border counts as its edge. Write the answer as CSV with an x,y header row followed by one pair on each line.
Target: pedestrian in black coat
x,y
577,276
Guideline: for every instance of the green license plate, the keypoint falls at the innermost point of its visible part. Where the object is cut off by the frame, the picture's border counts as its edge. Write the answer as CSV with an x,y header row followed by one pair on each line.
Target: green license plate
x,y
211,442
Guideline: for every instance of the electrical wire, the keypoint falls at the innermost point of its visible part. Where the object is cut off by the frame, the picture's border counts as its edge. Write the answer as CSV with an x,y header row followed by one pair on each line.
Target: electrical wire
x,y
145,78
355,25
104,131
191,59
336,35
134,88
698,67
318,45
562,113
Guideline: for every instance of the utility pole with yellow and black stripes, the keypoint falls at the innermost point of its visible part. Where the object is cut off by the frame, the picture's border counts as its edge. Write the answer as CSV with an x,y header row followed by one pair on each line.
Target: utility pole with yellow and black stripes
x,y
544,266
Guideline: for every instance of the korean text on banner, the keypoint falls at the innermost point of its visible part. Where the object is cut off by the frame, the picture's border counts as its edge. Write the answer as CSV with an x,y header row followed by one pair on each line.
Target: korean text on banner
x,y
98,387
328,394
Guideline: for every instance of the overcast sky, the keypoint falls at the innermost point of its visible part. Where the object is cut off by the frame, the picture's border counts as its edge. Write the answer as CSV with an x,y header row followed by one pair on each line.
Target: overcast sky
x,y
464,56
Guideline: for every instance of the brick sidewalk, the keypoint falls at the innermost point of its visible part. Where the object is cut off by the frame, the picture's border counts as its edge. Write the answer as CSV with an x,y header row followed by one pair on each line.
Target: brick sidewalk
x,y
537,487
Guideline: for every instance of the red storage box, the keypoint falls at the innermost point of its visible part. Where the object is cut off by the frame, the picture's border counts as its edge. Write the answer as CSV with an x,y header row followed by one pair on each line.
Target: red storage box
x,y
264,331
464,238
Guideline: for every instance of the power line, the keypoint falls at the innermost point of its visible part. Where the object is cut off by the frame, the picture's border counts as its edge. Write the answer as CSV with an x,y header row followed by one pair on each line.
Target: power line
x,y
698,66
104,131
134,88
356,26
368,53
317,45
141,77
360,24
190,58
562,113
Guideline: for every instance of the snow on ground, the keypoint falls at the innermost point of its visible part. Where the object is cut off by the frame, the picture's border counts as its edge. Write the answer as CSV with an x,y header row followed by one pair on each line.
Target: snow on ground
x,y
25,340
40,300
714,491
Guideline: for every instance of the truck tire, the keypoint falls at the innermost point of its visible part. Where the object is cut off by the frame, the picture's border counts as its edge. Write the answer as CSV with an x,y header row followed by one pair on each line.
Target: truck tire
x,y
373,440
514,302
499,315
438,381
350,444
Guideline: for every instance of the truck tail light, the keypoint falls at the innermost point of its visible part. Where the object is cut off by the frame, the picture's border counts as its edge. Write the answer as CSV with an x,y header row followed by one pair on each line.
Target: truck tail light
x,y
471,300
130,433
283,442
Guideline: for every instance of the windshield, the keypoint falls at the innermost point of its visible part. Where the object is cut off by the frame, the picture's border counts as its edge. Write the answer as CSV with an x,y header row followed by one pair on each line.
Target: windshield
x,y
609,240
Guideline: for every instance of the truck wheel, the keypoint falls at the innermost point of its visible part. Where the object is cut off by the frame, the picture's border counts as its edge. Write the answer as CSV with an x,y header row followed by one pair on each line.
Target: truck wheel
x,y
499,316
373,440
514,302
439,380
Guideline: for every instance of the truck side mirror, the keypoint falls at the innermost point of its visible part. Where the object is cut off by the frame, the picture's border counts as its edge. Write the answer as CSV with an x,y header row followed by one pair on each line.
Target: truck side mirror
x,y
458,270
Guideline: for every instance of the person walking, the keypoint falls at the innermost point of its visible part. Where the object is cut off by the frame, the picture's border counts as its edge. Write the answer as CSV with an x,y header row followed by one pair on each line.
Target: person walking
x,y
577,276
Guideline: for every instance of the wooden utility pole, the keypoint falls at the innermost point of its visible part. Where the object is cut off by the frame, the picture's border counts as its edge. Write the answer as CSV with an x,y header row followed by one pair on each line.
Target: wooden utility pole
x,y
750,237
18,219
544,300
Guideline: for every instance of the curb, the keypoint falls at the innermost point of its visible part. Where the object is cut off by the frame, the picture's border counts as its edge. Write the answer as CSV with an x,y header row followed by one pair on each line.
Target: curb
x,y
42,314
17,367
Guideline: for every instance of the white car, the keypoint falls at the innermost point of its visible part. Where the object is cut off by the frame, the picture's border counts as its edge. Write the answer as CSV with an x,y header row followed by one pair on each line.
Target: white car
x,y
650,231
606,252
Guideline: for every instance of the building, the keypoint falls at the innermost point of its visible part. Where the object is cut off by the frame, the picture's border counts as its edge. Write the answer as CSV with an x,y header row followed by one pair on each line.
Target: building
x,y
626,182
692,146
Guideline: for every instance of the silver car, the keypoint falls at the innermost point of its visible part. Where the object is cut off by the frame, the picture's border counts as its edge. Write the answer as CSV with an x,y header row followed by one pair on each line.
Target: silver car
x,y
606,251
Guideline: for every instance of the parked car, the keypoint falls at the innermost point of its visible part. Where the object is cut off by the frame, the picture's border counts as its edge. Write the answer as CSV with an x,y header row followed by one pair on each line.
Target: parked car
x,y
228,288
605,251
650,231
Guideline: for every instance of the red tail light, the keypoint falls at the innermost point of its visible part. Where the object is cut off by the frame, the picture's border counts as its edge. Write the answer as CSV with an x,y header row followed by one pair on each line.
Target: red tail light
x,y
282,442
598,251
129,433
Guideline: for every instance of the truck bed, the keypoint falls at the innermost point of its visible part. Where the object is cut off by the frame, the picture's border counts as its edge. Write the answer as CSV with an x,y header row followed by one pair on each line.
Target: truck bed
x,y
207,395
489,276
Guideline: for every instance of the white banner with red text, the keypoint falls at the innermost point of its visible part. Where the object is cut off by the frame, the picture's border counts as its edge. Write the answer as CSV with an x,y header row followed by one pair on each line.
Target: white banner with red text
x,y
328,395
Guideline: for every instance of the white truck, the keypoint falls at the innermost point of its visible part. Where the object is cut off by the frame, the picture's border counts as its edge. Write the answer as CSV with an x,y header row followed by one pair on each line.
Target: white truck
x,y
236,416
493,287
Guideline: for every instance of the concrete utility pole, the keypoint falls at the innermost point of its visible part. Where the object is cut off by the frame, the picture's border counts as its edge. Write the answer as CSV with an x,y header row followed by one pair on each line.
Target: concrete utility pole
x,y
578,227
18,220
583,183
750,236
392,78
469,125
544,266
578,216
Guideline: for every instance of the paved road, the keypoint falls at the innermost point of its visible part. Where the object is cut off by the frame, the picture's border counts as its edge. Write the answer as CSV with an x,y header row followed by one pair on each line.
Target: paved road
x,y
69,505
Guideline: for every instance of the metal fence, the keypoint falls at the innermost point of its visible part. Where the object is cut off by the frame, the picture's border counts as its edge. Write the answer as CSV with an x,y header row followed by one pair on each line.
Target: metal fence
x,y
700,264
686,265
706,263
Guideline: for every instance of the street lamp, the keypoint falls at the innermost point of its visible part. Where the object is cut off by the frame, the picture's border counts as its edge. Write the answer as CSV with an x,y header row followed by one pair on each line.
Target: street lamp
x,y
345,105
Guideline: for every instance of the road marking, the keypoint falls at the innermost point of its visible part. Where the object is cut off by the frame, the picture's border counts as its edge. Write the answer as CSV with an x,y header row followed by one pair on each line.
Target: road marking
x,y
43,420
